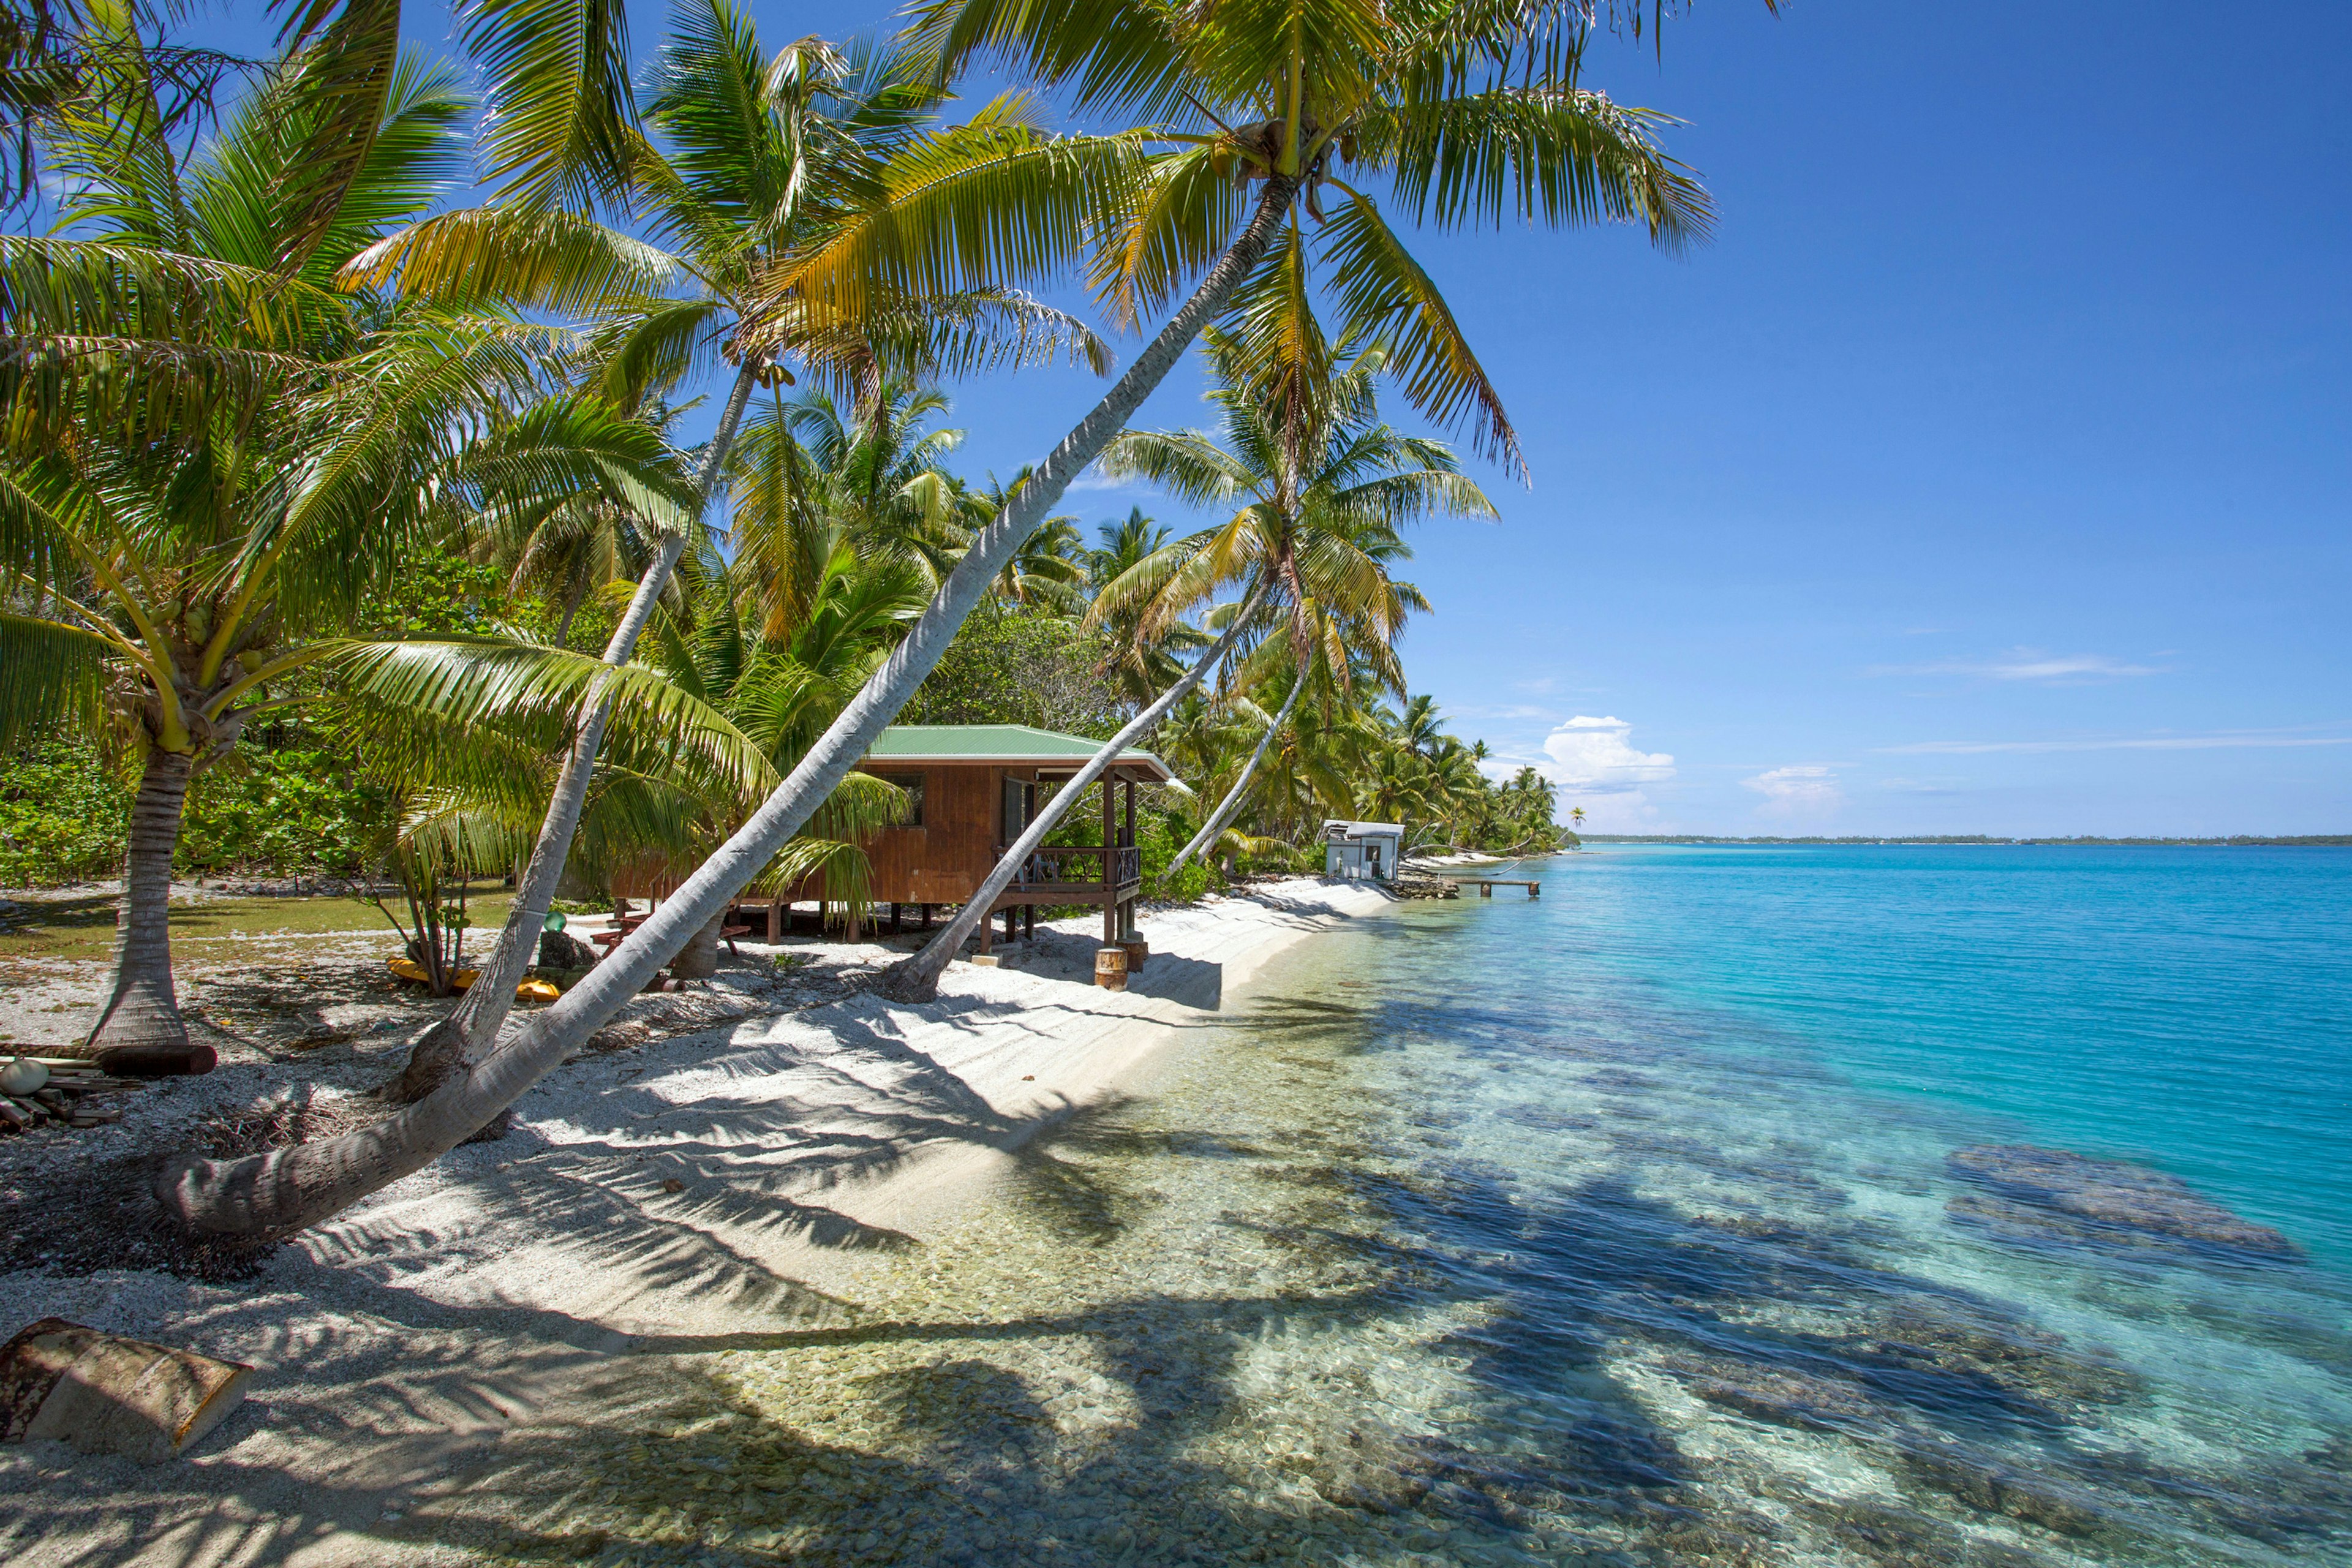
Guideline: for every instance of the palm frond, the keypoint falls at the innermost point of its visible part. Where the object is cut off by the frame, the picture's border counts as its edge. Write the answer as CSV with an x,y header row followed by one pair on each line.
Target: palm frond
x,y
562,115
50,674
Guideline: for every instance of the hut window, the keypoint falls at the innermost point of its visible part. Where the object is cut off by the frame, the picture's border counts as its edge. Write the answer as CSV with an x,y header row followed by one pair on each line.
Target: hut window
x,y
913,784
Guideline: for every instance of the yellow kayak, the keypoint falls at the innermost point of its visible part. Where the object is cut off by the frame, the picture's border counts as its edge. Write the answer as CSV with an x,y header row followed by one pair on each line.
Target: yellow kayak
x,y
528,991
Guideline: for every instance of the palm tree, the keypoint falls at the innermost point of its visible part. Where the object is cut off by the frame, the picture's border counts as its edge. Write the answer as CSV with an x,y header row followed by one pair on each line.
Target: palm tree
x,y
1323,486
764,157
214,454
1141,663
1419,726
1468,119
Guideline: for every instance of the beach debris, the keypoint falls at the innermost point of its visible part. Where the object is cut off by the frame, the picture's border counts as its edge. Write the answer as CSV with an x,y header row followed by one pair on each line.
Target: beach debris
x,y
104,1393
50,1090
2031,1193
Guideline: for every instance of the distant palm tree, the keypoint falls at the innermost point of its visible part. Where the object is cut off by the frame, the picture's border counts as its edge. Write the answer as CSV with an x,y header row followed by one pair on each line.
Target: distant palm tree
x,y
1142,663
1576,816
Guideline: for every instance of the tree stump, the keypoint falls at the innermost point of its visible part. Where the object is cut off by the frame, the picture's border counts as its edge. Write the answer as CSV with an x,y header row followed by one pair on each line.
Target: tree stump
x,y
107,1394
698,960
561,950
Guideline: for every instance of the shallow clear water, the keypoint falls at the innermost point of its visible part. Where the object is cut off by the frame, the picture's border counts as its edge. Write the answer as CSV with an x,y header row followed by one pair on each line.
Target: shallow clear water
x,y
1626,1226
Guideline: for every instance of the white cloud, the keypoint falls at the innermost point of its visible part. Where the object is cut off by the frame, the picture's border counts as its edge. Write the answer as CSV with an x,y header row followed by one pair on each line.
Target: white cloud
x,y
2030,663
1590,756
1802,791
1095,480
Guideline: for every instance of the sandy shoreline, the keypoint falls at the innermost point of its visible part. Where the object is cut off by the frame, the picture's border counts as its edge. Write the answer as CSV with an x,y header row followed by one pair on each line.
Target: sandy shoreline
x,y
653,1204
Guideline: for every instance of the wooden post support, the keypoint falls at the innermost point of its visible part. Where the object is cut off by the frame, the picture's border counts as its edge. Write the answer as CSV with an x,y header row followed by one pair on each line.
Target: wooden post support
x,y
1110,881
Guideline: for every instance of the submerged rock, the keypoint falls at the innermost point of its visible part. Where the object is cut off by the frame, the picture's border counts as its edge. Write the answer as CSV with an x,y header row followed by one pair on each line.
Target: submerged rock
x,y
2050,1194
1781,1395
1976,1479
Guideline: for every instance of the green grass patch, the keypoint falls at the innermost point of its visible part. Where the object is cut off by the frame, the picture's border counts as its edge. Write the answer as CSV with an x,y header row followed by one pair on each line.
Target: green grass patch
x,y
83,929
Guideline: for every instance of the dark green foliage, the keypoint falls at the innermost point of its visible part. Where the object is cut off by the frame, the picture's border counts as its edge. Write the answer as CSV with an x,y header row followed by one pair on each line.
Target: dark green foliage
x,y
435,592
294,806
288,802
64,815
1012,664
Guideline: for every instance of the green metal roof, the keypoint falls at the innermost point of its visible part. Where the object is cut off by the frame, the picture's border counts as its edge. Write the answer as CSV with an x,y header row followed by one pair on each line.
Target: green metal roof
x,y
1016,744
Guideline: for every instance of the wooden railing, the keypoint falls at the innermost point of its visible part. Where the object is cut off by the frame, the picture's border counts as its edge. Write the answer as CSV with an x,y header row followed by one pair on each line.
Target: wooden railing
x,y
1079,866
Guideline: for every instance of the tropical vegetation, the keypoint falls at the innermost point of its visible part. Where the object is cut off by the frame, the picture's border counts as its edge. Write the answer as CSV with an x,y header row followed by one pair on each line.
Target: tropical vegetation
x,y
254,379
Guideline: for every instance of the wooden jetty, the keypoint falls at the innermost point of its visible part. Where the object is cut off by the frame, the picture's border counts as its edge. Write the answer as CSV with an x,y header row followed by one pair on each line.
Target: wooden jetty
x,y
1486,885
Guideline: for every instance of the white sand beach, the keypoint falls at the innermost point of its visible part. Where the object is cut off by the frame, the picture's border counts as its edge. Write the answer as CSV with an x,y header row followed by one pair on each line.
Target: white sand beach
x,y
669,1194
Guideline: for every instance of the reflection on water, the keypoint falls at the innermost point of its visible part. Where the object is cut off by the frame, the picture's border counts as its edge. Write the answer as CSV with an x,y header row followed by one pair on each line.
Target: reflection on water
x,y
1425,1258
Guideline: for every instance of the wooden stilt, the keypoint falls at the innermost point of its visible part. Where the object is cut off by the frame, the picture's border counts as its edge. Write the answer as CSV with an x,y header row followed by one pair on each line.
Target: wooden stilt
x,y
1110,868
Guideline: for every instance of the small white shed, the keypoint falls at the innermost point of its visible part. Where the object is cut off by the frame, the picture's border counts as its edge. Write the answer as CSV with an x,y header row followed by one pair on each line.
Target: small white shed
x,y
1361,851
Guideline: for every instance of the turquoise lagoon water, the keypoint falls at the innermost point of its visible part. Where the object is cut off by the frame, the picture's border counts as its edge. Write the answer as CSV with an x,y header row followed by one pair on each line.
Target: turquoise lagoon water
x,y
1622,1226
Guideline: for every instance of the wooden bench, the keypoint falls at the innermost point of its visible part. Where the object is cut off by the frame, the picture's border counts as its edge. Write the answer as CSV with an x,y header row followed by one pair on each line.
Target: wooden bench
x,y
624,924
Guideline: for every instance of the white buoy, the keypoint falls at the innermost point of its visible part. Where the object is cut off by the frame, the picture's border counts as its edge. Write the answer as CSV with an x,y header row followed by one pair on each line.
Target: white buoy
x,y
23,1076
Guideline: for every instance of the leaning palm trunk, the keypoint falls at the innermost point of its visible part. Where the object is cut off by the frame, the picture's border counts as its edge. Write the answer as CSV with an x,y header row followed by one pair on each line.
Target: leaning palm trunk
x,y
1227,806
464,1036
283,1191
917,979
144,1008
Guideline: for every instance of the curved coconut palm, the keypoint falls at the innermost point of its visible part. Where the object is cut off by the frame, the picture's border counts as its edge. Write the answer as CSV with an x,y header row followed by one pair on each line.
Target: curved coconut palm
x,y
1324,487
1139,664
1467,117
760,159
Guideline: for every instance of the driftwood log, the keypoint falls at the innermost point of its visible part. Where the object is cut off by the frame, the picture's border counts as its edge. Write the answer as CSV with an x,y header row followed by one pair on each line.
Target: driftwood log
x,y
131,1061
107,1394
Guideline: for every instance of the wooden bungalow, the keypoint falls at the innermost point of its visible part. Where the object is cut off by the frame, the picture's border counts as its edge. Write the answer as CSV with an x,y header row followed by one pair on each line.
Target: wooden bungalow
x,y
972,789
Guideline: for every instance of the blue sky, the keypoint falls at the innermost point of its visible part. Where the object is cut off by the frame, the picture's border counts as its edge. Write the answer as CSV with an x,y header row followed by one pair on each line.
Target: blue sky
x,y
1991,471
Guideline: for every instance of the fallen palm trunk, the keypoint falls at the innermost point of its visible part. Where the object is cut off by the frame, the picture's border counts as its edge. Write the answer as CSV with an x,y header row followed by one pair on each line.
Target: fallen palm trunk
x,y
1227,806
135,1061
107,1394
264,1196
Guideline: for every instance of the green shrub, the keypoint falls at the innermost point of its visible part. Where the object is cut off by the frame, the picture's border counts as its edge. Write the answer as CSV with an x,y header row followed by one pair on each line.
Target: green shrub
x,y
65,815
289,806
296,806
